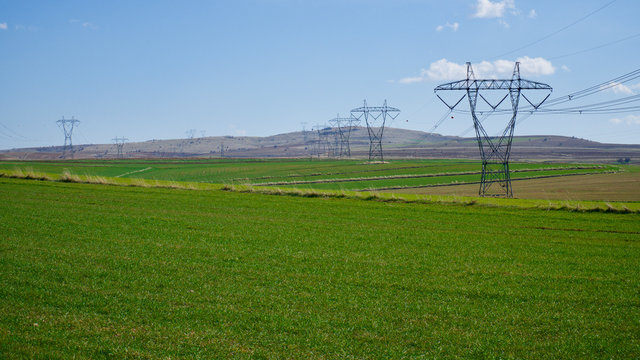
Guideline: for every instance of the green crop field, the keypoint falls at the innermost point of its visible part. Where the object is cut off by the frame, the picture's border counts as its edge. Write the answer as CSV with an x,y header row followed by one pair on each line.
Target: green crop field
x,y
308,174
105,271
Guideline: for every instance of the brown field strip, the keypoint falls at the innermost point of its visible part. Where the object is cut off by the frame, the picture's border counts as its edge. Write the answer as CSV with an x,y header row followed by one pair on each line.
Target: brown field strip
x,y
605,187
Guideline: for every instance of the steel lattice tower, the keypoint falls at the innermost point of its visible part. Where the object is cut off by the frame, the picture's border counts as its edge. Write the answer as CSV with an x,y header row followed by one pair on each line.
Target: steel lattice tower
x,y
375,117
67,126
495,151
344,126
119,145
322,143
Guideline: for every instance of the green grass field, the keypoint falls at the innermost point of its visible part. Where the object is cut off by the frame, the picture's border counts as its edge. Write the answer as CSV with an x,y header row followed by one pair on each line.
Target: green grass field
x,y
158,271
100,271
302,173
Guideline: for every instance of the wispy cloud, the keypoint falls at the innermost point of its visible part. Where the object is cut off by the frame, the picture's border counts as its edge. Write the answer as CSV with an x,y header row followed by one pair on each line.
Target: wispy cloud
x,y
627,120
453,26
533,14
21,27
486,9
618,88
443,70
4,26
84,24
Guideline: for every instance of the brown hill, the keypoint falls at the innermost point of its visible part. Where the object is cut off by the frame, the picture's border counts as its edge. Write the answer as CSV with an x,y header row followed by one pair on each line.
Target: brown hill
x,y
397,143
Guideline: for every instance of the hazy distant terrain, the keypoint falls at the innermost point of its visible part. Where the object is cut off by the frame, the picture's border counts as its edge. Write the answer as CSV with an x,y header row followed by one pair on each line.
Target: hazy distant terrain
x,y
397,143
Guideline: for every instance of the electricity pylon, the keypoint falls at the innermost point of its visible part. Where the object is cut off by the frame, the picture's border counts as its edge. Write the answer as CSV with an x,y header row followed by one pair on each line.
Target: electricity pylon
x,y
375,117
119,141
321,143
67,126
495,151
344,126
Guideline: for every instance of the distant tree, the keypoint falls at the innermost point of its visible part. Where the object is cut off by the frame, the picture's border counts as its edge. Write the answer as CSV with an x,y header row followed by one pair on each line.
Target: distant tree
x,y
626,160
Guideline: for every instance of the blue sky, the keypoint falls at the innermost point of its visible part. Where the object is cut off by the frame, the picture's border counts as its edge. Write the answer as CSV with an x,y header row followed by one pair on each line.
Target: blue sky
x,y
155,69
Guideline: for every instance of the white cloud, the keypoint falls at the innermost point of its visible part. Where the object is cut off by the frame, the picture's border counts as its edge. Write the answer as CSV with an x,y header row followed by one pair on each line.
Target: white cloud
x,y
411,80
618,88
444,69
533,14
89,25
453,27
535,66
504,23
3,26
485,9
565,68
629,120
31,28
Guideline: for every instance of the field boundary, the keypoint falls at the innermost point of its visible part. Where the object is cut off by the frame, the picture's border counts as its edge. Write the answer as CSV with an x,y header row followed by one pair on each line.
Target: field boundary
x,y
478,182
134,172
574,206
577,206
416,176
336,173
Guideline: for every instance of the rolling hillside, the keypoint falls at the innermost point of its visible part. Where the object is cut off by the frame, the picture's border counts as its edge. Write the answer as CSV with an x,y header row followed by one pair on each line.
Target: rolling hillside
x,y
397,143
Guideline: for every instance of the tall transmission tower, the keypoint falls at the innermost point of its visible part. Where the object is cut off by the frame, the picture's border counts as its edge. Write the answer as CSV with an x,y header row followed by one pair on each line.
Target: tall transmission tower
x,y
375,117
344,126
119,141
321,144
67,126
305,136
495,151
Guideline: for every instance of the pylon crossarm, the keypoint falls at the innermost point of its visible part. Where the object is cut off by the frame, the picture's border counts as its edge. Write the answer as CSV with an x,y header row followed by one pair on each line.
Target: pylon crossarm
x,y
375,109
540,103
493,107
493,84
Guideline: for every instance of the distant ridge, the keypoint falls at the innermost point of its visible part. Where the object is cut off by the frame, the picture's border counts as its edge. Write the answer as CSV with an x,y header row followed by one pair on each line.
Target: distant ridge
x,y
397,143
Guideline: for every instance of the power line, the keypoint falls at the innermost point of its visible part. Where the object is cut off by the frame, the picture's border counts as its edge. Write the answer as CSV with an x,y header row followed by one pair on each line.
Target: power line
x,y
12,133
609,105
557,31
595,47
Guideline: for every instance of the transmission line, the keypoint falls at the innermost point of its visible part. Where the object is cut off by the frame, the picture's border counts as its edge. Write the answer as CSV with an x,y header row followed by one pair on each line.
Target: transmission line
x,y
595,47
557,31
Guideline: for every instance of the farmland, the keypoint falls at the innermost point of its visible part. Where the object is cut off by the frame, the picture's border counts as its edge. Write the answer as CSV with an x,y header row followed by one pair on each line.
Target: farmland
x,y
97,271
310,174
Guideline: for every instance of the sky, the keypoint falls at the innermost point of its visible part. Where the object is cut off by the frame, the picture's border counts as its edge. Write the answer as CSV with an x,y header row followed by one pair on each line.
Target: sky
x,y
157,69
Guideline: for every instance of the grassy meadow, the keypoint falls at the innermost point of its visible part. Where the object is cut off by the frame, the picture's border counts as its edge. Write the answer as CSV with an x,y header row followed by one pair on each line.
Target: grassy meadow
x,y
103,271
351,175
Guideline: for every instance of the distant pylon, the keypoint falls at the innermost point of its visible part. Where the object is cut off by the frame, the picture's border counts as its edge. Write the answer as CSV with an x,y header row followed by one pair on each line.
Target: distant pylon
x,y
305,137
344,126
119,141
67,126
321,144
375,117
